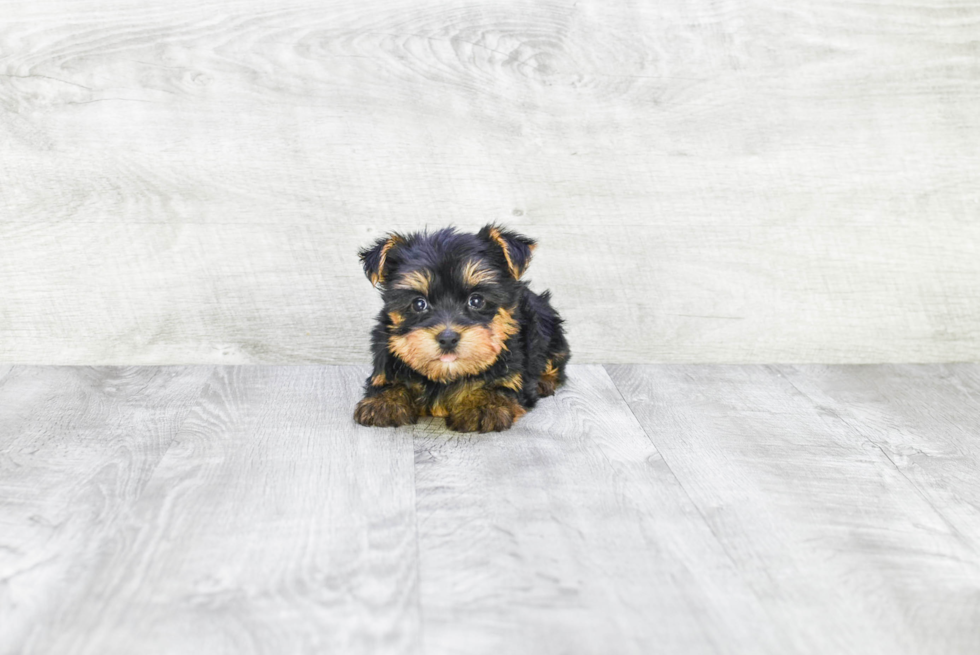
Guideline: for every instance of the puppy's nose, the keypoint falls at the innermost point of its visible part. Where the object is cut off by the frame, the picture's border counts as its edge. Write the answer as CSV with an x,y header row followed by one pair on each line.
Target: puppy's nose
x,y
448,339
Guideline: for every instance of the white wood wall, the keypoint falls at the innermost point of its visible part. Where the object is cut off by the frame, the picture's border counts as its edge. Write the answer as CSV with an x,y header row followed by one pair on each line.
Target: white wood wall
x,y
710,180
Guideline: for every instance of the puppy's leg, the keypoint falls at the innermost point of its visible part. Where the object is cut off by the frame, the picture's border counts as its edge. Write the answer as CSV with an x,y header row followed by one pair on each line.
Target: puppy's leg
x,y
476,408
390,407
547,350
553,375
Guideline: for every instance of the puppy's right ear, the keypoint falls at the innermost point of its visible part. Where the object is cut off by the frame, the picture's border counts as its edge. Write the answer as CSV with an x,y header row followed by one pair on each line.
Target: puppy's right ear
x,y
375,257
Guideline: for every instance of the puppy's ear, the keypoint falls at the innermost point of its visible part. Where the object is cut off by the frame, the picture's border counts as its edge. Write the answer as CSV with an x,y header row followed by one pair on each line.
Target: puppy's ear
x,y
516,248
375,257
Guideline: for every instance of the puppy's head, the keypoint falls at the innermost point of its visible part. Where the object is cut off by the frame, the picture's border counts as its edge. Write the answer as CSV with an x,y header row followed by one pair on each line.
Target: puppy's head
x,y
449,297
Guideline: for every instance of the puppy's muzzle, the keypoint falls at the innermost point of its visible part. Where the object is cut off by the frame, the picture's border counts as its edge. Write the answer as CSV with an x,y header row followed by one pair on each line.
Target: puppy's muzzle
x,y
448,339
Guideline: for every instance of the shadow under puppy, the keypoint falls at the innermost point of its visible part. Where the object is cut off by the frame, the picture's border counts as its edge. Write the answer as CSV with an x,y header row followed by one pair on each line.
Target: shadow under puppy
x,y
460,335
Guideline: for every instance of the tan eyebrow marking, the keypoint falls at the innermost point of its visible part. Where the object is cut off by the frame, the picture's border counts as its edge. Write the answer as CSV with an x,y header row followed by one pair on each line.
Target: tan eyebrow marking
x,y
415,281
474,273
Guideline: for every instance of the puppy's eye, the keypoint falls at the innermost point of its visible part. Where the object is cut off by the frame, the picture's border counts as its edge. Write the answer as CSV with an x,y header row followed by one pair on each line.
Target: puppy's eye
x,y
476,301
419,304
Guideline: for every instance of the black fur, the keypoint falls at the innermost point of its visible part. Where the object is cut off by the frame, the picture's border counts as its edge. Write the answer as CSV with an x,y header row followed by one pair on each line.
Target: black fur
x,y
537,349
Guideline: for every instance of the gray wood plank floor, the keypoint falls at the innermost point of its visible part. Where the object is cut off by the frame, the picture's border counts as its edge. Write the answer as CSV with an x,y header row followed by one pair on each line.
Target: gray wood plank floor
x,y
668,508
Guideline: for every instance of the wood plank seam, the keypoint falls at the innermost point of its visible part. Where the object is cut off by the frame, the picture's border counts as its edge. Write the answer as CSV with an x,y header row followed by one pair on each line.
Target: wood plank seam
x,y
864,433
186,413
721,544
418,546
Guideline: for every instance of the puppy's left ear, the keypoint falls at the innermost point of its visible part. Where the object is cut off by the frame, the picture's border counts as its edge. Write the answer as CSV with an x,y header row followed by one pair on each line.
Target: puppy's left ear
x,y
375,258
516,248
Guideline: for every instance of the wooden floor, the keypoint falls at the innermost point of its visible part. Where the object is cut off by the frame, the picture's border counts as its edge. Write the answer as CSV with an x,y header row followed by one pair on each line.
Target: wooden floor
x,y
669,509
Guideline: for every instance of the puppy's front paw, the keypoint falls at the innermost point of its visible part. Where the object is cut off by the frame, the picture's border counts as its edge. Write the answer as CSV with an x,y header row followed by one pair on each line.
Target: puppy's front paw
x,y
388,409
497,413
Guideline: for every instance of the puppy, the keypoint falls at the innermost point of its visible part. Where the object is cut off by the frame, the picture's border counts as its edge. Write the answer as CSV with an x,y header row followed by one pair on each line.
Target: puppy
x,y
460,335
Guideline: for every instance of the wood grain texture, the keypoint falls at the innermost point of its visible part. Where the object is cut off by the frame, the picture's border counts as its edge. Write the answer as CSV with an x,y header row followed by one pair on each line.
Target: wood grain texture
x,y
925,419
570,534
724,509
845,548
273,524
710,181
77,448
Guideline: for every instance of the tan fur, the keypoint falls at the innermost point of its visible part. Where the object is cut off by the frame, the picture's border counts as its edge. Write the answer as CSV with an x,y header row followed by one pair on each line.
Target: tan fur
x,y
390,408
550,371
477,349
513,381
548,381
500,241
396,318
473,408
379,380
449,397
417,393
419,349
503,326
378,276
415,281
474,273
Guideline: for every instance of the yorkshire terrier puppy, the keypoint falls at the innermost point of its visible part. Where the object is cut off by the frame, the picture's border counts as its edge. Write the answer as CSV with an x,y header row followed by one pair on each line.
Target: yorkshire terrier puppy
x,y
460,335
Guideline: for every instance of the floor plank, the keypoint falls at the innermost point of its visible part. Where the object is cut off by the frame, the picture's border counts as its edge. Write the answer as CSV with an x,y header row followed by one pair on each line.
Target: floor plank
x,y
926,419
569,534
273,525
77,448
842,547
676,509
